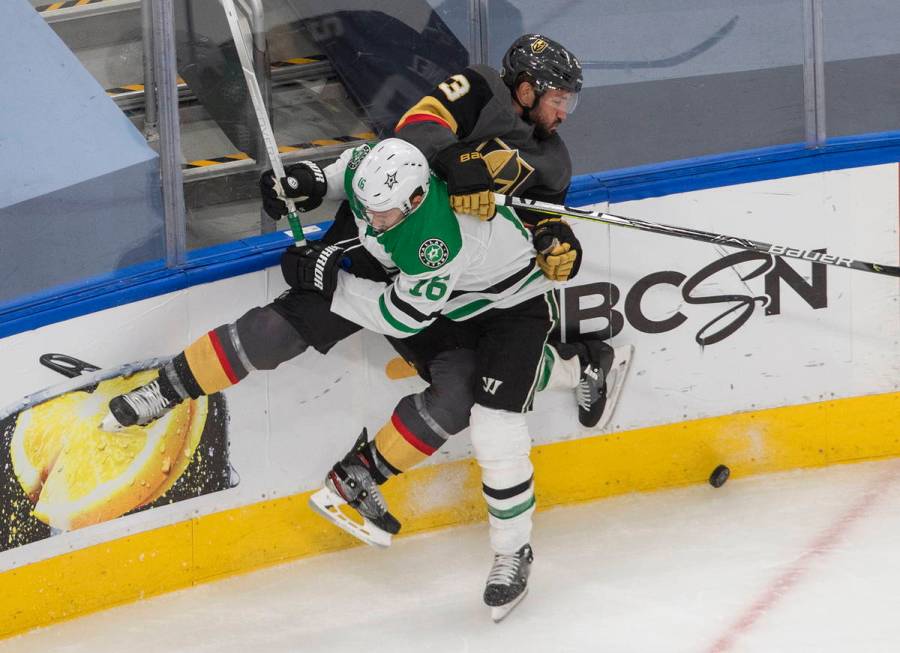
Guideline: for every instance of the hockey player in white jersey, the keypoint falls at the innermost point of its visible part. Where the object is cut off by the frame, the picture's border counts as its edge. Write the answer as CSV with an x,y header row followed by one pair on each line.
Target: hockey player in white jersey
x,y
481,276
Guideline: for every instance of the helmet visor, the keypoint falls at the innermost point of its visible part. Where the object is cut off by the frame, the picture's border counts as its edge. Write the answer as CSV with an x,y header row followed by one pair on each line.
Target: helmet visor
x,y
561,100
382,221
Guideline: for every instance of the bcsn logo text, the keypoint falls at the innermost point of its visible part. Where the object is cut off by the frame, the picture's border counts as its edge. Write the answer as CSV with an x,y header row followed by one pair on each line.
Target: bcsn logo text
x,y
738,308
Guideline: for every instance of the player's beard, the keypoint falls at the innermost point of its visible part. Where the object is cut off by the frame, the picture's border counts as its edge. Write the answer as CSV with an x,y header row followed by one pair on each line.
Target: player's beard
x,y
542,132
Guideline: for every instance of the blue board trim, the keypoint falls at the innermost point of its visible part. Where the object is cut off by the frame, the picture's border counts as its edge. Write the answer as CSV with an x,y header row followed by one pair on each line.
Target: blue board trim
x,y
252,254
146,280
734,168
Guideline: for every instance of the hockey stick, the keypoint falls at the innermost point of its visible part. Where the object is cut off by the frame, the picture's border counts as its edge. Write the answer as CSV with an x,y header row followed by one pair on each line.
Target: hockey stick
x,y
668,62
696,234
262,116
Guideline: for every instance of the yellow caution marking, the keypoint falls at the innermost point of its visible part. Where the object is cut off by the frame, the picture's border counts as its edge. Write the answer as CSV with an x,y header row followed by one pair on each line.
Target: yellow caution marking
x,y
299,61
203,163
67,4
284,149
140,87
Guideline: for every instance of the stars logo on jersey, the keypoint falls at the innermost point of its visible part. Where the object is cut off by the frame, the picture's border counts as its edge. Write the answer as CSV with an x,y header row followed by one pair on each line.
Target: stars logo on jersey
x,y
391,180
434,253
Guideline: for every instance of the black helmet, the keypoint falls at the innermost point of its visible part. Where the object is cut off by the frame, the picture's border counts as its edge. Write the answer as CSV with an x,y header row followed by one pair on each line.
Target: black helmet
x,y
543,62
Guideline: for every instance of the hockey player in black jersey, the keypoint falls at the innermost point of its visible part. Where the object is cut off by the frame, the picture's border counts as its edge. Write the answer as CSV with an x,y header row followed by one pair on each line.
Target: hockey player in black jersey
x,y
485,131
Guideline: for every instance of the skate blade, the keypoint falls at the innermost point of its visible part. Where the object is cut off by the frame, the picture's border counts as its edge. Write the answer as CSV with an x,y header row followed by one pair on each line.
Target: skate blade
x,y
615,380
327,503
110,424
499,612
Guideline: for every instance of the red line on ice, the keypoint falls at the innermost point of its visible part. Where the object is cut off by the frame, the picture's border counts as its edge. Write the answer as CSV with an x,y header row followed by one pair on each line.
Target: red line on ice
x,y
820,546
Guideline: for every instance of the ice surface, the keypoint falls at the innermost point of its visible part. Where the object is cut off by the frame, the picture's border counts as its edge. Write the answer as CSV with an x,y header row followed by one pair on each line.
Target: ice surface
x,y
799,561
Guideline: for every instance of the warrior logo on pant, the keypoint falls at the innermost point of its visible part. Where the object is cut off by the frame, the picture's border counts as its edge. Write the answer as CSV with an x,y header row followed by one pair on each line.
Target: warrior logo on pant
x,y
490,385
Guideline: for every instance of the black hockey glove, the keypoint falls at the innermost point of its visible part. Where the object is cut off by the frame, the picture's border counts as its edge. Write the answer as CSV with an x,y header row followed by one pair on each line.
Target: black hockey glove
x,y
468,180
312,267
559,252
303,182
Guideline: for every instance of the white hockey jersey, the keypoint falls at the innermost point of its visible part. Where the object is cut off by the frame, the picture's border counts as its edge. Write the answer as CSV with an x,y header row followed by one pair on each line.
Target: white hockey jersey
x,y
443,264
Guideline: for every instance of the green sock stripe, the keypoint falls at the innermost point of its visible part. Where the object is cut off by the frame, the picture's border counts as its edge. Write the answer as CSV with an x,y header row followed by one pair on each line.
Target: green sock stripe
x,y
515,511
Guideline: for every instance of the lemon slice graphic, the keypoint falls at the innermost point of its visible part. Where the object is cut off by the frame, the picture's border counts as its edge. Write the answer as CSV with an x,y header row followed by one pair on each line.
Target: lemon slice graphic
x,y
40,441
80,475
186,452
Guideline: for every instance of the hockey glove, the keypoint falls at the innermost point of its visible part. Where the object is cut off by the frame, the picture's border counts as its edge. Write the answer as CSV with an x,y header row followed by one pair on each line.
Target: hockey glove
x,y
468,180
312,267
559,252
304,183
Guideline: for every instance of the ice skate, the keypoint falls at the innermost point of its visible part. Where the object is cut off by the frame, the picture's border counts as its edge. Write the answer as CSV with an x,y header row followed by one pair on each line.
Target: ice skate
x,y
507,583
350,482
141,406
603,372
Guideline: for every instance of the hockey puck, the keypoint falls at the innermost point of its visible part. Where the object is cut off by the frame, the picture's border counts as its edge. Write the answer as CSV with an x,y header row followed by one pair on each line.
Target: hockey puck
x,y
719,475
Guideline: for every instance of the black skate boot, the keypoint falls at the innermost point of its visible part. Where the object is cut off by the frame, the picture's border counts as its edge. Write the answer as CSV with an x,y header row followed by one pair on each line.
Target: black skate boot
x,y
352,481
507,583
603,371
141,406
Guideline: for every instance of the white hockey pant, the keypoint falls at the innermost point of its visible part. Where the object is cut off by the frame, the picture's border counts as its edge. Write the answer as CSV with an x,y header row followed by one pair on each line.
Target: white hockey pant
x,y
502,445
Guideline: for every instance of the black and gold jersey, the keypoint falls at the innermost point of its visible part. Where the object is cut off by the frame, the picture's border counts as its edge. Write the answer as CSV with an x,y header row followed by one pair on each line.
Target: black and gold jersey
x,y
474,107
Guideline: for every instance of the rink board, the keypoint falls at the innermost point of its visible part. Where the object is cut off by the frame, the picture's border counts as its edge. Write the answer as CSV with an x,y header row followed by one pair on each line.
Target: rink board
x,y
739,359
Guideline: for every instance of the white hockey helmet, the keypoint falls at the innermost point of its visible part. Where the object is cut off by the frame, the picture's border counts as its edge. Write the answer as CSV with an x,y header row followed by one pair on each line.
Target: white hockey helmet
x,y
390,176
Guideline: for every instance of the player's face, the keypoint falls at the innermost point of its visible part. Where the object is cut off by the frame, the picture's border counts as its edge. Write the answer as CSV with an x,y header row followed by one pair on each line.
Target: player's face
x,y
384,220
552,110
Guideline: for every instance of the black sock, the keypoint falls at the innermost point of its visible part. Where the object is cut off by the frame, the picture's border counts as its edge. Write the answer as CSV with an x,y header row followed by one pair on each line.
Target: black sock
x,y
167,389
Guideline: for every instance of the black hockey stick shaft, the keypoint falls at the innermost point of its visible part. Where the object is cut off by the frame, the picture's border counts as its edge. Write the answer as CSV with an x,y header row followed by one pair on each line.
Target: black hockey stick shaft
x,y
667,62
696,234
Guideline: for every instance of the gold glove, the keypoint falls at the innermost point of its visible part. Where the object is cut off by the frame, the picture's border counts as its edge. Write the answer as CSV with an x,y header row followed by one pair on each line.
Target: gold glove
x,y
559,262
480,204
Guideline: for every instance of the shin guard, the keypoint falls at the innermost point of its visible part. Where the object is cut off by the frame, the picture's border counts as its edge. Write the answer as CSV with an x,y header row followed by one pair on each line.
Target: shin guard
x,y
261,339
422,423
408,438
209,364
502,446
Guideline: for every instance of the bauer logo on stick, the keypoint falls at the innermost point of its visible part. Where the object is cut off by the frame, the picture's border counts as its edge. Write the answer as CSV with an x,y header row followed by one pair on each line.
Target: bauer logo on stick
x,y
812,255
